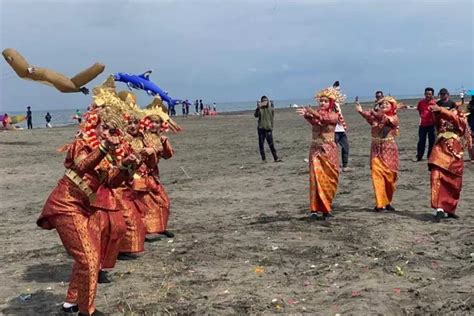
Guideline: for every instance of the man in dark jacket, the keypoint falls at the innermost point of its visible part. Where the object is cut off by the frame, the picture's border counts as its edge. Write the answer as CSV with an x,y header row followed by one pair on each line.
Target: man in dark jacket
x,y
264,113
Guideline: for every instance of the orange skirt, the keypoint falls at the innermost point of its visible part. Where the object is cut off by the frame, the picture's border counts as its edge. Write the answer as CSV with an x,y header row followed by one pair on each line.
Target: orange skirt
x,y
155,208
384,182
323,181
445,189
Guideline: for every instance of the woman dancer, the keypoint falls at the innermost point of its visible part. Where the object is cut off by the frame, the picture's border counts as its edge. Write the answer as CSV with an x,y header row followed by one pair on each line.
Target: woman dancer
x,y
323,156
384,151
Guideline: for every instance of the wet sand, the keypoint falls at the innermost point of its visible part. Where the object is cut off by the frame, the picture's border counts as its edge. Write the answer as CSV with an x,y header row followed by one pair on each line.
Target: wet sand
x,y
243,244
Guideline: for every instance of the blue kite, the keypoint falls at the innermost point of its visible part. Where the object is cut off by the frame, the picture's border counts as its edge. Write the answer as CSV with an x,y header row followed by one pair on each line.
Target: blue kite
x,y
142,82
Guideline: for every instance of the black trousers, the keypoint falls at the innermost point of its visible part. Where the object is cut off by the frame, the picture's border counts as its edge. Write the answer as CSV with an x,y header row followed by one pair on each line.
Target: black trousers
x,y
268,135
423,131
341,140
30,124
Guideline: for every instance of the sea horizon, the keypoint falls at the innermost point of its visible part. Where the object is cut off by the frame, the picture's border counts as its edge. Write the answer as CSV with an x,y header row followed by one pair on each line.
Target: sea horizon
x,y
64,117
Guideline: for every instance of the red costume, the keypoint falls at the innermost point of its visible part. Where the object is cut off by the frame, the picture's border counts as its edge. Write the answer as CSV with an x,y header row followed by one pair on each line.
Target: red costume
x,y
384,162
156,203
446,161
83,198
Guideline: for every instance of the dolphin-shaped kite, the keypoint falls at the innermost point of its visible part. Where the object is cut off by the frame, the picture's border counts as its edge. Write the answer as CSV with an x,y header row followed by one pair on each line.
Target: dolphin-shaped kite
x,y
142,82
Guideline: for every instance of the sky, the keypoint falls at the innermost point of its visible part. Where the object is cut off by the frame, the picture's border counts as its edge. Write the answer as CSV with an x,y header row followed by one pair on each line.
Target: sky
x,y
222,51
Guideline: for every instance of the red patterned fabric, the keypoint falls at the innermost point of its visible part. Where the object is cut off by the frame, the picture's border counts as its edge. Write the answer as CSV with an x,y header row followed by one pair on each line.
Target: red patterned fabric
x,y
384,129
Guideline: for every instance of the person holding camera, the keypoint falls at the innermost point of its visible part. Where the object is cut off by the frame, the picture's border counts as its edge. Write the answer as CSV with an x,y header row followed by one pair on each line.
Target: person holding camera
x,y
264,112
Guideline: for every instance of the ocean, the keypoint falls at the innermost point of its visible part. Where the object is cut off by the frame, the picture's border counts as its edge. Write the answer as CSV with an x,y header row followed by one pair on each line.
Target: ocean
x,y
65,117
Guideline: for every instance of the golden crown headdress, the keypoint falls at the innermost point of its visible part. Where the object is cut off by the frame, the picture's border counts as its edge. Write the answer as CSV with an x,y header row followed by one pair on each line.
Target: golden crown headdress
x,y
332,93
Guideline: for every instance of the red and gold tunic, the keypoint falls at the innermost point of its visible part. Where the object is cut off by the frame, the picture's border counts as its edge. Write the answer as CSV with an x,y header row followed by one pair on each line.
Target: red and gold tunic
x,y
446,160
323,160
384,161
81,196
156,201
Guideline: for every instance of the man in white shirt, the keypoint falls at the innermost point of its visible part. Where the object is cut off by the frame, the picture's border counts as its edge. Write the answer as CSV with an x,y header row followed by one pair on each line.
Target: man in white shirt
x,y
341,139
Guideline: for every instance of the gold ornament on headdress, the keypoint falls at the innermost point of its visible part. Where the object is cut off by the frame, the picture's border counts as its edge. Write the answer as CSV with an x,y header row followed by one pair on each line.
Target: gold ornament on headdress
x,y
113,117
389,99
156,109
332,93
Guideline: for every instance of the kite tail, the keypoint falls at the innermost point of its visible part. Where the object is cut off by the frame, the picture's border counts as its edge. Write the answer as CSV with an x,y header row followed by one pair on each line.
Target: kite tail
x,y
86,76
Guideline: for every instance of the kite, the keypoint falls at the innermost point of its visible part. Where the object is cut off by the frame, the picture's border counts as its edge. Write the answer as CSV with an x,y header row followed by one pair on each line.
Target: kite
x,y
51,77
142,82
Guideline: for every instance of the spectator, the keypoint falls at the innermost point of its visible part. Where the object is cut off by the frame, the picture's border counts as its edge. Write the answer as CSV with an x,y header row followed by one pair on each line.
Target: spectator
x,y
427,127
264,112
29,117
48,120
6,121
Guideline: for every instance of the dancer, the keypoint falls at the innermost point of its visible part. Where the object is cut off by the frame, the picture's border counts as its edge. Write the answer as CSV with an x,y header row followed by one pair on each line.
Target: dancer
x,y
446,162
82,199
323,156
384,151
154,199
157,201
470,120
134,238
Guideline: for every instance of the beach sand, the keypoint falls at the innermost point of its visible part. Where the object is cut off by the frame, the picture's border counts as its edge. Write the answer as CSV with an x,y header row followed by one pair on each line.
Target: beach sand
x,y
243,244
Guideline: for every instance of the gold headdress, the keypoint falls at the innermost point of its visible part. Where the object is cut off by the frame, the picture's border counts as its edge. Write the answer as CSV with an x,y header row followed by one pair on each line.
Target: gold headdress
x,y
332,93
156,109
393,102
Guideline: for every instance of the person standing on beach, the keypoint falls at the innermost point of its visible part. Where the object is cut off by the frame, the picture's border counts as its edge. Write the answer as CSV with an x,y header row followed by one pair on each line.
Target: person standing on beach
x,y
341,140
264,112
323,156
29,117
384,162
446,162
196,106
378,96
48,120
201,107
426,127
444,100
187,107
78,116
341,136
6,121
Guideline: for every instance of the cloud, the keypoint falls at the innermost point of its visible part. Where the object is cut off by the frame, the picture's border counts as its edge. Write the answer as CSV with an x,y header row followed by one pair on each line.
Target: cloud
x,y
223,50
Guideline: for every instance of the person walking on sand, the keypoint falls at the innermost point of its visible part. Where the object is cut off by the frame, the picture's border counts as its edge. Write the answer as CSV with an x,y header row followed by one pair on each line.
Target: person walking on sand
x,y
29,117
264,112
427,127
201,107
48,120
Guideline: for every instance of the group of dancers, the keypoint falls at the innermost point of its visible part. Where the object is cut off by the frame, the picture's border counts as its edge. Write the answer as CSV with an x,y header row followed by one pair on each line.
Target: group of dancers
x,y
110,198
445,162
